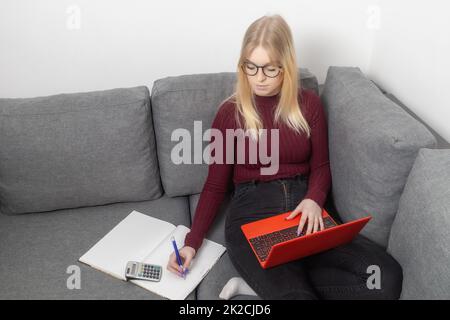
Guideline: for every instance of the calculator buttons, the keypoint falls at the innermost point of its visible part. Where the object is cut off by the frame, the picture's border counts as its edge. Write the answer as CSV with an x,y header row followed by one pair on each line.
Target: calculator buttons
x,y
147,272
150,271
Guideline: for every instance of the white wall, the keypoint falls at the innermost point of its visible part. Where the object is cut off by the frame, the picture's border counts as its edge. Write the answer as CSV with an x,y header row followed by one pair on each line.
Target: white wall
x,y
128,43
410,58
118,43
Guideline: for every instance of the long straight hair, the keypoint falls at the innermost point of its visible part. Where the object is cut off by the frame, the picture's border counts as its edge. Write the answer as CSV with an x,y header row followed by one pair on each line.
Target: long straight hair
x,y
274,35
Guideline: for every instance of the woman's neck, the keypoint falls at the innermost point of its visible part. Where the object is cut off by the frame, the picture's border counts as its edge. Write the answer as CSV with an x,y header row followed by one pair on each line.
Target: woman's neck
x,y
267,100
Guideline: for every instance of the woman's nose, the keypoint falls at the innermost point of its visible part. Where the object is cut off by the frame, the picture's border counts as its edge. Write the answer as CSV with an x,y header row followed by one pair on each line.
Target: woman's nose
x,y
260,75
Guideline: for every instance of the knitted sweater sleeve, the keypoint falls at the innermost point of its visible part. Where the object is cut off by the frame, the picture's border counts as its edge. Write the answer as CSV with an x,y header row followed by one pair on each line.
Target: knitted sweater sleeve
x,y
320,175
217,183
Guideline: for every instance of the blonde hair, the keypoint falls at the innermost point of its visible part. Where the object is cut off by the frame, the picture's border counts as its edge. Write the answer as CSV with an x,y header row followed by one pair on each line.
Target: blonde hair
x,y
274,35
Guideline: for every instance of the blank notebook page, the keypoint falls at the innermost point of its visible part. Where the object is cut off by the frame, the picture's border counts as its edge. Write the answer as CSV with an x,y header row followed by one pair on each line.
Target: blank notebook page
x,y
171,285
130,240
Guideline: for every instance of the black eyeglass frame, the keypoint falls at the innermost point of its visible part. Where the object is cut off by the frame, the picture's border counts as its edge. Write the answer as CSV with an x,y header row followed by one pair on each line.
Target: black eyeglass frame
x,y
280,69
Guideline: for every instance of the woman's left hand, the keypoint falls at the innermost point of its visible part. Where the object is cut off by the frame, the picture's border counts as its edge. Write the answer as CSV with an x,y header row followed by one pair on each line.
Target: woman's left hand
x,y
310,211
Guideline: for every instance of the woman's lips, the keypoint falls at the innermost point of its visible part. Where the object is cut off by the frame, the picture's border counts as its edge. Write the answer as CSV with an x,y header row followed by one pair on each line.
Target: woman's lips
x,y
261,87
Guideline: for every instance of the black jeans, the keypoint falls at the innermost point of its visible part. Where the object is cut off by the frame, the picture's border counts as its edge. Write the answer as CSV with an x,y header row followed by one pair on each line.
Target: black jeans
x,y
339,273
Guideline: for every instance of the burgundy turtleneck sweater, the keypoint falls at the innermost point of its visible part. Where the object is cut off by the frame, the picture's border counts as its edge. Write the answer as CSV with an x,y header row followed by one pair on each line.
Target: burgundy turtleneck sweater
x,y
297,155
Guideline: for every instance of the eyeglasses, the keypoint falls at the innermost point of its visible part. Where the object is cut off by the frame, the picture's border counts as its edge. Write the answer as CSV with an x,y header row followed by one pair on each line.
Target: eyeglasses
x,y
251,69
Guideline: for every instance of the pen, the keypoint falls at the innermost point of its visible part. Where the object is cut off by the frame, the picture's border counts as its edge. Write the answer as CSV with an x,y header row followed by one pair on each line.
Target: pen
x,y
180,263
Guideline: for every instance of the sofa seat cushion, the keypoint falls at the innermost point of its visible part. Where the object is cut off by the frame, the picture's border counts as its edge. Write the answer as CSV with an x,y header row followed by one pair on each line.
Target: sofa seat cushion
x,y
420,234
79,149
373,143
37,248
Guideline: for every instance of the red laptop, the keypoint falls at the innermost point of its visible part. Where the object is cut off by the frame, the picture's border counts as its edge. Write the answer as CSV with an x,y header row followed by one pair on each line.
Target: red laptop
x,y
274,240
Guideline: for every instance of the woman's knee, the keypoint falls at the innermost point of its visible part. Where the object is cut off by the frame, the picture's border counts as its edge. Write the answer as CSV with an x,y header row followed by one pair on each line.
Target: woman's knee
x,y
235,243
386,280
232,235
384,274
392,278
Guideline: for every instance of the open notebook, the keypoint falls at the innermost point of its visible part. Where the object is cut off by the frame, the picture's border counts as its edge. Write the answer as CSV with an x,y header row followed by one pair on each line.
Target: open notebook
x,y
142,238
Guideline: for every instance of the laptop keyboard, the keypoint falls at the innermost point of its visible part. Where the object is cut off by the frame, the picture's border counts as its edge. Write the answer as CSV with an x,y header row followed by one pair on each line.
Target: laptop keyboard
x,y
263,243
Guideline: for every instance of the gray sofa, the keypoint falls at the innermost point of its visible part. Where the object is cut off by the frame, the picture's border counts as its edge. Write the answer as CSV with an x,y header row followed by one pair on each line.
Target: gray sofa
x,y
73,165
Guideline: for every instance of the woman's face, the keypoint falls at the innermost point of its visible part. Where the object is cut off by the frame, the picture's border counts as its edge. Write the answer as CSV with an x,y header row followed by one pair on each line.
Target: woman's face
x,y
261,84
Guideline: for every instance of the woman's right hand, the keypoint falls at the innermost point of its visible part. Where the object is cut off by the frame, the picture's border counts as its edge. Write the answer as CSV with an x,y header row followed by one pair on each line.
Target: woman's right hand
x,y
187,254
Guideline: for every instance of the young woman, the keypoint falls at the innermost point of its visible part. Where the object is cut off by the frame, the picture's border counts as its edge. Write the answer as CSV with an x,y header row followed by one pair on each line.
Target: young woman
x,y
268,97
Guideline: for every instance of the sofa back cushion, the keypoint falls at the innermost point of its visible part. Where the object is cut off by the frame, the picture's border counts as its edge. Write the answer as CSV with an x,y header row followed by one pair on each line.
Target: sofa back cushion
x,y
420,234
373,144
75,150
179,101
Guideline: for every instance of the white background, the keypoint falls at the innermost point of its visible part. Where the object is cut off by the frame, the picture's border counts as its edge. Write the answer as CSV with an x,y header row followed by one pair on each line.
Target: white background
x,y
49,47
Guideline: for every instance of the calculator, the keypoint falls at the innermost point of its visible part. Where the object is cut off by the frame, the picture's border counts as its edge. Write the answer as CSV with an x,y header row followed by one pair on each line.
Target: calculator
x,y
143,271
